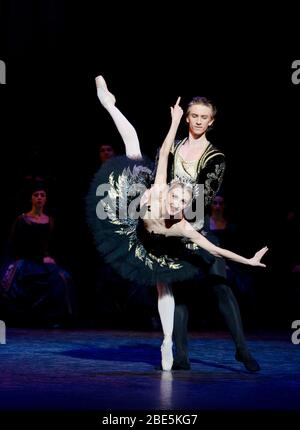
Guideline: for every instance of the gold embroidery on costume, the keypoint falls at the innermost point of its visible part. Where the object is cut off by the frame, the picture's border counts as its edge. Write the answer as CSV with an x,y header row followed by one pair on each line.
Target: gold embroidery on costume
x,y
216,177
191,170
120,190
188,167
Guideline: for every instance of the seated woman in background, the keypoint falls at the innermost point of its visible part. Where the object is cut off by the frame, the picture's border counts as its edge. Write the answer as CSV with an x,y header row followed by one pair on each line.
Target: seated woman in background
x,y
32,286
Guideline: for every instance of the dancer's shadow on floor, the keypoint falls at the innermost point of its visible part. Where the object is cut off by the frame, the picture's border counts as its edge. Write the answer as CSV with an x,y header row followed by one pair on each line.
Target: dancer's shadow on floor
x,y
219,366
138,353
127,353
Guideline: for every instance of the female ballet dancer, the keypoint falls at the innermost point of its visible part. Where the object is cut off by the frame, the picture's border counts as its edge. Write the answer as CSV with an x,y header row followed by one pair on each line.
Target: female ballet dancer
x,y
146,244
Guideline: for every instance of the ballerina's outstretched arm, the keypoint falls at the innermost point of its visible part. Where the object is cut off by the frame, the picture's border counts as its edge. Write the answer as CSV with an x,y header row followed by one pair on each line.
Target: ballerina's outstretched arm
x,y
185,229
125,128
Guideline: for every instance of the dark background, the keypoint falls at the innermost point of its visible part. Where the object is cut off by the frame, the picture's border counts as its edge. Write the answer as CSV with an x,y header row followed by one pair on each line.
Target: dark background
x,y
52,123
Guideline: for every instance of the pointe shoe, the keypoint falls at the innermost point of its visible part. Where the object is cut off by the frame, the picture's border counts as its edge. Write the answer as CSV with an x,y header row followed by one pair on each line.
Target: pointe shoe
x,y
106,98
167,355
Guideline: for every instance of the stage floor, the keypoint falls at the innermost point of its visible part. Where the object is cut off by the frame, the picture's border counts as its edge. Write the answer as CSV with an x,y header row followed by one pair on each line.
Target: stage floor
x,y
112,370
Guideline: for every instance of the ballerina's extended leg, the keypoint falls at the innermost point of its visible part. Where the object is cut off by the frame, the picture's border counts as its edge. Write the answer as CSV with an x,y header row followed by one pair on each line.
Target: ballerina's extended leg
x,y
126,130
106,98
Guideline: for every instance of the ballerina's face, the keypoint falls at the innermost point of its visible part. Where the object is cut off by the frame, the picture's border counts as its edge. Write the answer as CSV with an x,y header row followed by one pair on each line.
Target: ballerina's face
x,y
177,199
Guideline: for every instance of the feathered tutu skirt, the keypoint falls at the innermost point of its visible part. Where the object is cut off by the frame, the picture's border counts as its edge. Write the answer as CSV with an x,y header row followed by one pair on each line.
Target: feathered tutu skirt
x,y
113,215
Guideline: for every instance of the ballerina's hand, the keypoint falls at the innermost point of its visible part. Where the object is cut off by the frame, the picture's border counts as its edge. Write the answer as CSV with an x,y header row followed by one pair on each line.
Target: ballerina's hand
x,y
255,261
176,111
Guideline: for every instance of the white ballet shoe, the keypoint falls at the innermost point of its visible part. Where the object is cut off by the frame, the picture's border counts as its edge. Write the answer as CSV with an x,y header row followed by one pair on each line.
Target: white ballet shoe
x,y
167,354
106,98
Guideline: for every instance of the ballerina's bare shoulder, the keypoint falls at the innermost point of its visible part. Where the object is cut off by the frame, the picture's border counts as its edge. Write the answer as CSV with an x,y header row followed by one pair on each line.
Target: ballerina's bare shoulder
x,y
153,220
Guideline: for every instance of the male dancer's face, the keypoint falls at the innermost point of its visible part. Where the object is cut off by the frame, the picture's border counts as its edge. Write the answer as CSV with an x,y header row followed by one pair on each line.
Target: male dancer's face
x,y
199,118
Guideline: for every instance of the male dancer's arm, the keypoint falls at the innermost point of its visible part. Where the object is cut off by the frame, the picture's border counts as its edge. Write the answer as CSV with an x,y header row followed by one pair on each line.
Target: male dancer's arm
x,y
211,176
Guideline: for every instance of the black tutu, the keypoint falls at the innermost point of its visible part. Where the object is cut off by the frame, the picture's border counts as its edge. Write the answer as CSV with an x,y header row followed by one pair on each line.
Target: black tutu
x,y
120,236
